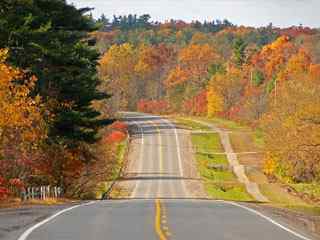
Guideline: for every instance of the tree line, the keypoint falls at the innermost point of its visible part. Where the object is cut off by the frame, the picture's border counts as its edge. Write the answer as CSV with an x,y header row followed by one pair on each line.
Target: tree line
x,y
265,77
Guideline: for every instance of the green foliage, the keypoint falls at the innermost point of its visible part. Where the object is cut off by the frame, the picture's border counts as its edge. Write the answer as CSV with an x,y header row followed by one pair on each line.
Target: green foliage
x,y
216,68
271,85
239,47
257,78
47,37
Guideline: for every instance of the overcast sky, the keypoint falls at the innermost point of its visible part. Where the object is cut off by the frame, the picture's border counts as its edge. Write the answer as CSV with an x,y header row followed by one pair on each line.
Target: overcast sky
x,y
241,12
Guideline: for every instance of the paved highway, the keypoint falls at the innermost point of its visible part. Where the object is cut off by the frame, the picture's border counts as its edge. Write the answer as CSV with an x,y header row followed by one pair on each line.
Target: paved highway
x,y
162,203
156,166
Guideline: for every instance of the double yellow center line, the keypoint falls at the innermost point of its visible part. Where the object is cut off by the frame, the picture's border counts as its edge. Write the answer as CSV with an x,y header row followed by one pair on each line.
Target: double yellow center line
x,y
160,218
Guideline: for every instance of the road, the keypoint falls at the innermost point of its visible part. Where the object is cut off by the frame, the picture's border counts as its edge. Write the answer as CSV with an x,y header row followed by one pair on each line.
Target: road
x,y
156,164
162,203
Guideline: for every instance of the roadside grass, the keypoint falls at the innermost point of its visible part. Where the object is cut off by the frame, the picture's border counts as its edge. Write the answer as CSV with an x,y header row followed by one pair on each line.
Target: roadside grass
x,y
234,192
226,124
280,198
311,189
277,194
17,202
120,156
223,184
219,184
189,124
258,138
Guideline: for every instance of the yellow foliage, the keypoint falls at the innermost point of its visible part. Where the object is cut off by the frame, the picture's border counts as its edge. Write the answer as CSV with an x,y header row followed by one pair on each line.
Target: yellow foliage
x,y
270,164
215,101
22,127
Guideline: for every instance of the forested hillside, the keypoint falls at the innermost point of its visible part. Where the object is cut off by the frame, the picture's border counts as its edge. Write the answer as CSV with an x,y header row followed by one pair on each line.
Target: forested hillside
x,y
268,78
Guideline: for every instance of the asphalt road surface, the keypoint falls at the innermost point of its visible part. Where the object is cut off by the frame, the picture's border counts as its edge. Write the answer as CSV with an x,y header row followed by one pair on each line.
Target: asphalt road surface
x,y
160,204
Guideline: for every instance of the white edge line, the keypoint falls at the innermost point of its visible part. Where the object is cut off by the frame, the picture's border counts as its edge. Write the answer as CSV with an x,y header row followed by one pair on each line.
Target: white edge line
x,y
134,193
25,235
160,148
179,155
268,219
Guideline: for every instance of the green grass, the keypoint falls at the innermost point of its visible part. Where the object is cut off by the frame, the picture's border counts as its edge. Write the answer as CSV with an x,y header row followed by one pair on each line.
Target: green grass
x,y
121,150
312,189
120,155
207,142
223,184
188,123
277,195
224,123
282,199
258,138
218,184
236,192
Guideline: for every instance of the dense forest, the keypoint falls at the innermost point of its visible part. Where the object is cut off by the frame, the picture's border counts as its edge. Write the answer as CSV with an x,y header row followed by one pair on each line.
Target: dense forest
x,y
64,75
267,78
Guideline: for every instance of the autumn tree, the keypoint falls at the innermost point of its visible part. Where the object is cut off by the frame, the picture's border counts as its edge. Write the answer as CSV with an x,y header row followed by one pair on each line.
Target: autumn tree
x,y
239,47
49,39
22,126
225,90
292,131
196,59
117,67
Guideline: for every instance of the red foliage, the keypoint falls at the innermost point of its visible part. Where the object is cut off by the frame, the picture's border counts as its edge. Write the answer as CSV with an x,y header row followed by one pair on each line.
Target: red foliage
x,y
296,31
233,112
153,106
16,182
121,126
4,192
198,105
2,181
115,137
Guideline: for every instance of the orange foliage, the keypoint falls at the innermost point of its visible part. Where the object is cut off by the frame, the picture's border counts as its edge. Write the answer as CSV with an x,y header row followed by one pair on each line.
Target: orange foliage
x,y
121,126
274,56
176,76
21,122
115,137
314,72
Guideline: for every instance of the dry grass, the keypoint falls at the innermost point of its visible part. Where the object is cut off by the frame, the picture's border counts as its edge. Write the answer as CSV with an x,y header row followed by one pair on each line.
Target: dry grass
x,y
17,203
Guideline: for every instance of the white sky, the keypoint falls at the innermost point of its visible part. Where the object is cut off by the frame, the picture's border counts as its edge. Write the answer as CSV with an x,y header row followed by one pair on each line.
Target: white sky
x,y
241,12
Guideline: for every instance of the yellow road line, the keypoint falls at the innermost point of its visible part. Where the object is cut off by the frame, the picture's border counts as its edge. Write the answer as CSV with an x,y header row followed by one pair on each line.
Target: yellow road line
x,y
157,225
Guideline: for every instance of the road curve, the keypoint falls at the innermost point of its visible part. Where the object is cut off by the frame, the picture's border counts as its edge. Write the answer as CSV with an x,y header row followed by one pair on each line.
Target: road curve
x,y
160,208
164,220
